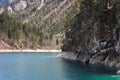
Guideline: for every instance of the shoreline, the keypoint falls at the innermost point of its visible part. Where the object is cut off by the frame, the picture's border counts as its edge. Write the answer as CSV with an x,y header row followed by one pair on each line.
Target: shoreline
x,y
30,50
83,58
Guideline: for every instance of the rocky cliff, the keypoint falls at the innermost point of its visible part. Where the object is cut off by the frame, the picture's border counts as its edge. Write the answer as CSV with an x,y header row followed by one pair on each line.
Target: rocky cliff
x,y
94,33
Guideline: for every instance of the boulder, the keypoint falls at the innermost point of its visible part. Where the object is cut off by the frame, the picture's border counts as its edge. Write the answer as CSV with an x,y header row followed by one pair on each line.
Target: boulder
x,y
68,55
118,72
84,57
97,59
117,65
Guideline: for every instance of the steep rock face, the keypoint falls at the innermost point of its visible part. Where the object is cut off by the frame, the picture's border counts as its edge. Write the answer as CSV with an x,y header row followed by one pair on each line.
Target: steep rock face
x,y
94,33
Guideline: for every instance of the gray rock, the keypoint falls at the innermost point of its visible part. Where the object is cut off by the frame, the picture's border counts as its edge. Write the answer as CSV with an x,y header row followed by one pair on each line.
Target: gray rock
x,y
69,55
112,64
97,59
84,57
118,72
117,65
117,47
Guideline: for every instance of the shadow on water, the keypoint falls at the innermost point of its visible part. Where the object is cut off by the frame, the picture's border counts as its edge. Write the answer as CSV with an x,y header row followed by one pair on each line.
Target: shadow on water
x,y
80,71
88,68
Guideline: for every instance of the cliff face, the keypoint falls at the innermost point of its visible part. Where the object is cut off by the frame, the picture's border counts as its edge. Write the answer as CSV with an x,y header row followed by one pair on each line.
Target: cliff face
x,y
94,33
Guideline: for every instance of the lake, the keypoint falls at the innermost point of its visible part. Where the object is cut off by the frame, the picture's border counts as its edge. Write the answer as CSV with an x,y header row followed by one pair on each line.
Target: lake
x,y
47,66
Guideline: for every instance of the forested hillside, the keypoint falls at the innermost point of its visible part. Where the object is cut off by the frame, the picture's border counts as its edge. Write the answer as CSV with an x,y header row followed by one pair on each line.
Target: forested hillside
x,y
14,34
47,17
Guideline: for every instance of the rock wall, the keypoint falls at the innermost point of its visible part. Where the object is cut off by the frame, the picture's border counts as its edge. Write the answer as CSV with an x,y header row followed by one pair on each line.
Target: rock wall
x,y
94,33
69,55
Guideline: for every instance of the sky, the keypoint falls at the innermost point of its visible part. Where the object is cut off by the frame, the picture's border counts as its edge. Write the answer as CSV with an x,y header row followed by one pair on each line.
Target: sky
x,y
2,2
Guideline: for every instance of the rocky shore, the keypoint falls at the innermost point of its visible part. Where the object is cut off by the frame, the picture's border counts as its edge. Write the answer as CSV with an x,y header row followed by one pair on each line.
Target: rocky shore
x,y
94,34
68,56
110,60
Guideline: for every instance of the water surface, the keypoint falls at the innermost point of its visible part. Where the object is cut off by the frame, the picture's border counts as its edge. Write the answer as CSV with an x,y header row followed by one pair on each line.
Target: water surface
x,y
47,66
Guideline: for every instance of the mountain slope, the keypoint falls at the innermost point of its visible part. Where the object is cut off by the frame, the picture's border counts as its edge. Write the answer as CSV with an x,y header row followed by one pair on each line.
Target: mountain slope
x,y
47,15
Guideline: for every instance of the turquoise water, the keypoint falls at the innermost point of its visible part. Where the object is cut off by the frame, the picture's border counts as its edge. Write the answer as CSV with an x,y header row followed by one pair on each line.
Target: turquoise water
x,y
47,66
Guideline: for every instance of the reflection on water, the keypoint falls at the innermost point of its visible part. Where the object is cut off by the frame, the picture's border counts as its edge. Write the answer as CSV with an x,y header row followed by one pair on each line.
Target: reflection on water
x,y
79,71
48,66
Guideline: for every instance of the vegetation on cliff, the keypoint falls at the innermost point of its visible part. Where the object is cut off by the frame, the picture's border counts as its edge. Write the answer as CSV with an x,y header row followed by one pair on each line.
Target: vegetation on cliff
x,y
18,32
38,23
47,15
94,32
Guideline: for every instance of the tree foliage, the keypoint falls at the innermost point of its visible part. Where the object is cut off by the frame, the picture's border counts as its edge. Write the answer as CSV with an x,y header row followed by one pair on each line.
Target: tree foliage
x,y
17,30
